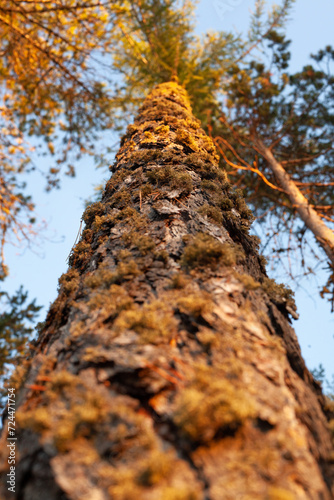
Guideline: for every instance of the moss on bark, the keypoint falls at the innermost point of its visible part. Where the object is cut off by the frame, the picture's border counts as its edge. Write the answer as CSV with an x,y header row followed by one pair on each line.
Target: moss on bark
x,y
167,367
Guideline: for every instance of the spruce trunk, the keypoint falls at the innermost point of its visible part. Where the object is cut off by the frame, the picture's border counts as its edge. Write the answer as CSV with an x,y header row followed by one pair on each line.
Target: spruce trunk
x,y
167,368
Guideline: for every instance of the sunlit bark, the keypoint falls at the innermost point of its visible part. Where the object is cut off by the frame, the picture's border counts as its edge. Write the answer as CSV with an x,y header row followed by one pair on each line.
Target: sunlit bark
x,y
167,367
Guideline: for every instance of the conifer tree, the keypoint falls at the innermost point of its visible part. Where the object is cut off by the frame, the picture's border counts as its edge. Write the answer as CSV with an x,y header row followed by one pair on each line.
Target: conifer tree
x,y
16,319
167,367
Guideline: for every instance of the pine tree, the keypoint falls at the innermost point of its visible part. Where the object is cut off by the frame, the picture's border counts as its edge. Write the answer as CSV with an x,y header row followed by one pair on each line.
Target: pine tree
x,y
167,367
16,318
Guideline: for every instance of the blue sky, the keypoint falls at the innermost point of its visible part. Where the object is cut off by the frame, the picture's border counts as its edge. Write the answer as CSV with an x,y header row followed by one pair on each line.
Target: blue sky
x,y
39,267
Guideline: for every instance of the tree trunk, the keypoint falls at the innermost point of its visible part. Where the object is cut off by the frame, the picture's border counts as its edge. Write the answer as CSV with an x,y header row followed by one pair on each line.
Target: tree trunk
x,y
167,367
323,234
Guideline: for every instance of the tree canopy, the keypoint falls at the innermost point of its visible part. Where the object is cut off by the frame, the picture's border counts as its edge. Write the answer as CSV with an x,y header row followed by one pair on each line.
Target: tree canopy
x,y
53,101
70,70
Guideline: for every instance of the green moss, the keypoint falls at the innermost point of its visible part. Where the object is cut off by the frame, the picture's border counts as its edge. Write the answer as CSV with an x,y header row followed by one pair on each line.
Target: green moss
x,y
212,213
154,322
111,219
92,211
239,203
87,235
80,254
73,414
225,203
144,243
172,177
207,338
183,181
105,276
179,280
204,251
155,469
146,190
208,185
172,156
208,144
195,304
120,199
263,261
69,281
211,404
249,282
116,179
206,165
278,292
102,278
111,301
37,420
70,410
162,255
144,156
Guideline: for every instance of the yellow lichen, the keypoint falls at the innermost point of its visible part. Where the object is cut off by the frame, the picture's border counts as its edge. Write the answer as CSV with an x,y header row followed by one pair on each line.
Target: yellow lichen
x,y
278,493
162,130
180,493
184,137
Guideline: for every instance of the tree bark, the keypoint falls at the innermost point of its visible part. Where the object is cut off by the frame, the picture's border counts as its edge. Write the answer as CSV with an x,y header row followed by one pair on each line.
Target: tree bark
x,y
167,367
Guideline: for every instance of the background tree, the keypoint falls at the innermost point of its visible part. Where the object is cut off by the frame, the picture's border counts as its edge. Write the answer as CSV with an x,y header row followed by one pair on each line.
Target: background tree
x,y
15,332
277,129
167,367
51,90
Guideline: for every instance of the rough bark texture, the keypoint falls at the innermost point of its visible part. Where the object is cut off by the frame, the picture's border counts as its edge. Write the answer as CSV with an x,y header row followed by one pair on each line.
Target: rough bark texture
x,y
167,368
